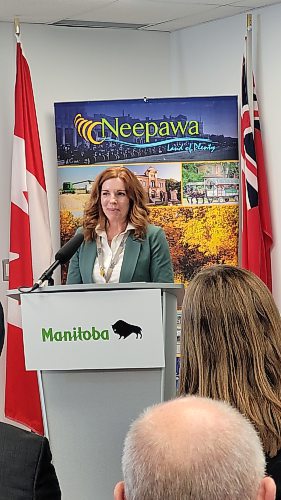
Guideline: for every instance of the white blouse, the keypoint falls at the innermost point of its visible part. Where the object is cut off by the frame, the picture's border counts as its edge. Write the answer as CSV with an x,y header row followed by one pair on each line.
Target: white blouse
x,y
108,253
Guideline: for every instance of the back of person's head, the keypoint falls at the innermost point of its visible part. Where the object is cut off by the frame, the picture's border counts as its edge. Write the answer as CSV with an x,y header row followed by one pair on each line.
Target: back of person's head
x,y
193,448
231,346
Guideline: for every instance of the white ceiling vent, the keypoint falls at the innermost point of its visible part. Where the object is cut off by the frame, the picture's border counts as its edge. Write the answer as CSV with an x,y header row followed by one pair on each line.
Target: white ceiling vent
x,y
72,23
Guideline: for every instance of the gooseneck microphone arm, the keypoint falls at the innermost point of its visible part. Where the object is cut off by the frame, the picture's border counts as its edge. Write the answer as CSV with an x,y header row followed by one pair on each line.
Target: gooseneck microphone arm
x,y
61,257
46,275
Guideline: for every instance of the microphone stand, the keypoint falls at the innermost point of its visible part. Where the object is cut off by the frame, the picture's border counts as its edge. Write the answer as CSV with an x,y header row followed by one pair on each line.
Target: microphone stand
x,y
47,276
51,281
62,256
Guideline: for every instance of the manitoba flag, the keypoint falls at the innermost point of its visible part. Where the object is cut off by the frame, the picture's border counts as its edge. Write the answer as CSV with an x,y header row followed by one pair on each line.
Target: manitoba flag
x,y
30,246
256,221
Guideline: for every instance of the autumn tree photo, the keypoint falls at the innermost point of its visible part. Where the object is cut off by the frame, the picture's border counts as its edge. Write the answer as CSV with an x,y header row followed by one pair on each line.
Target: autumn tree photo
x,y
199,236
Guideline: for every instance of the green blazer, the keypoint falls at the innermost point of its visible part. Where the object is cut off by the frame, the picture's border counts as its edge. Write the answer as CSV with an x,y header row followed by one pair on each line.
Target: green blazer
x,y
146,260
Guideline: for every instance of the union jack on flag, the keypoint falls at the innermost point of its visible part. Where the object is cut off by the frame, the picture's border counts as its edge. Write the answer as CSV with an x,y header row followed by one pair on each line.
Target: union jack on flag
x,y
256,221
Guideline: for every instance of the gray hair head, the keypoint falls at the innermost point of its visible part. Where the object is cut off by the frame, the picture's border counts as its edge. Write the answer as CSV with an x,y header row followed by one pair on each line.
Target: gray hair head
x,y
192,448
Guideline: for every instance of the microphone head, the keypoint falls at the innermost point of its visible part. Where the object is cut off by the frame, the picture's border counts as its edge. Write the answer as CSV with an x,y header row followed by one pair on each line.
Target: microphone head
x,y
68,249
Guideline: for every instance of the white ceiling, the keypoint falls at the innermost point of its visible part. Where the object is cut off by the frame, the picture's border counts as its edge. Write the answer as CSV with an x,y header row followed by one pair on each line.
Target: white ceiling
x,y
155,15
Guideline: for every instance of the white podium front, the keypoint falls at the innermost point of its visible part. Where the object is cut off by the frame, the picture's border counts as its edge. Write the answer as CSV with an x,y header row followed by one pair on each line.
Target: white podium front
x,y
104,352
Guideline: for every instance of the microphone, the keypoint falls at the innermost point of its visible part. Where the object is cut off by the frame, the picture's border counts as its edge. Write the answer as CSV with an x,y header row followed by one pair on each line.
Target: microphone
x,y
62,256
69,248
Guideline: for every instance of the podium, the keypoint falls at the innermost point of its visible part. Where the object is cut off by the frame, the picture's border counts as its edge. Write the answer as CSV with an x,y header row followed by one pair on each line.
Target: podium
x,y
103,354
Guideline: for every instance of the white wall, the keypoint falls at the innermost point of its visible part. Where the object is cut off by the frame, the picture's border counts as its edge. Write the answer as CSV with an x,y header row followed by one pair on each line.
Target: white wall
x,y
71,65
206,60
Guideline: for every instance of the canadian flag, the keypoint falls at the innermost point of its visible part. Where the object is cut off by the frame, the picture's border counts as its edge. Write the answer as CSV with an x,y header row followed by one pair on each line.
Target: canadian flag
x,y
30,246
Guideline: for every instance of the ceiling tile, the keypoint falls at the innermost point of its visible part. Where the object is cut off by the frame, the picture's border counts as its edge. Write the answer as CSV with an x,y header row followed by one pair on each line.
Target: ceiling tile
x,y
254,3
141,11
190,2
161,15
195,19
48,11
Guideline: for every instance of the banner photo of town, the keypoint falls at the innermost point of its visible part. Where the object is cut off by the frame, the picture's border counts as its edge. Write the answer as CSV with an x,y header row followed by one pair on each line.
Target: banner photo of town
x,y
184,151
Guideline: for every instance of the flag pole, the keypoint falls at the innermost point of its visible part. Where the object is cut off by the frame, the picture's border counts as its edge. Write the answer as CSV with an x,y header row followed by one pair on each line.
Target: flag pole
x,y
249,68
17,26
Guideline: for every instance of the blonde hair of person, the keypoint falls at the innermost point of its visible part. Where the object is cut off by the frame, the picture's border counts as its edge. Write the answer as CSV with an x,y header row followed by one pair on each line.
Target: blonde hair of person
x,y
231,347
192,448
138,212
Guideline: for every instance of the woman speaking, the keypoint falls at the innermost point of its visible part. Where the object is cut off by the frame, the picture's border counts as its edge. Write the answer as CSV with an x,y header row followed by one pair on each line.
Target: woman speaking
x,y
120,246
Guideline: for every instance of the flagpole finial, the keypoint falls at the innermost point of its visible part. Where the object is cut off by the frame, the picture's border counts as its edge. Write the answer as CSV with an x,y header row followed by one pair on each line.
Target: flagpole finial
x,y
249,22
17,26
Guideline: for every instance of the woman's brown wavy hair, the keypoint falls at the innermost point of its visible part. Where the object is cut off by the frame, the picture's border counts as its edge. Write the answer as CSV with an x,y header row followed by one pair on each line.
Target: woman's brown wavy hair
x,y
138,212
231,347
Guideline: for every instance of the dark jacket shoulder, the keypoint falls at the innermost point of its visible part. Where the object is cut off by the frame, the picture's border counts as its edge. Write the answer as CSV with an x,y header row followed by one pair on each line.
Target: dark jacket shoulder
x,y
273,469
26,469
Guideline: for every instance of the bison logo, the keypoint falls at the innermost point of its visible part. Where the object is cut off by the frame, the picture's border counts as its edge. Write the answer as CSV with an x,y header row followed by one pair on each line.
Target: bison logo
x,y
124,329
